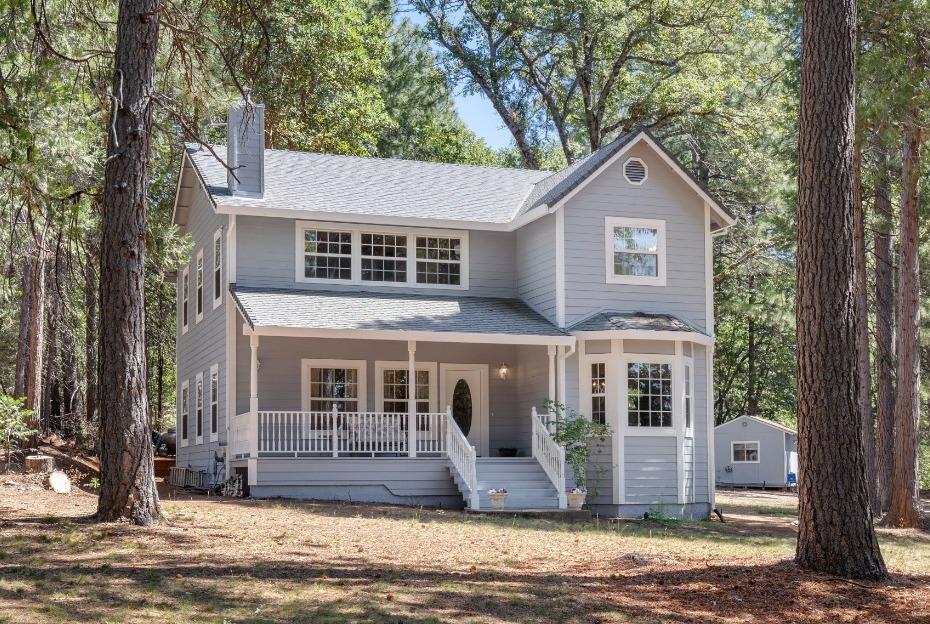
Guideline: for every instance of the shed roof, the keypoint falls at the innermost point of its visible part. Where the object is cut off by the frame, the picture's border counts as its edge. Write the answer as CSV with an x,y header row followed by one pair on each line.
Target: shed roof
x,y
762,421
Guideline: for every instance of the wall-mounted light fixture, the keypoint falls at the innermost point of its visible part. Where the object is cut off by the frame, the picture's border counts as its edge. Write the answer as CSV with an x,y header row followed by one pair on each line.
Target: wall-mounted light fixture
x,y
503,371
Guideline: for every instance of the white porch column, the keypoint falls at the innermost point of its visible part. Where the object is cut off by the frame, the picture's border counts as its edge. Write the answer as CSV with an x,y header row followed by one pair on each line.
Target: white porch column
x,y
552,351
253,409
560,391
411,398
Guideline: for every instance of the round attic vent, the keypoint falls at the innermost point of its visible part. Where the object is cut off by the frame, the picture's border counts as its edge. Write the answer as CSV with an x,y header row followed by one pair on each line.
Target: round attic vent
x,y
635,172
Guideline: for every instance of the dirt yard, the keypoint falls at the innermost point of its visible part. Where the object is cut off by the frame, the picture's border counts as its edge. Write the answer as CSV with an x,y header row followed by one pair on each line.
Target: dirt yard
x,y
244,561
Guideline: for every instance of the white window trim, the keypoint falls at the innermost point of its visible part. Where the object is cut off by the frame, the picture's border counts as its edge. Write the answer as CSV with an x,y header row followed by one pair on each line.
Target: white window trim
x,y
381,366
217,268
185,410
198,387
587,395
689,363
185,299
214,372
661,253
677,388
199,290
356,230
645,169
360,365
758,451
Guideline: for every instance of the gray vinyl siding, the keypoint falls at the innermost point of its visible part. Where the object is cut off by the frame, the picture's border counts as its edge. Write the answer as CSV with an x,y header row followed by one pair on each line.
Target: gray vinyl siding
x,y
535,265
769,471
663,196
379,480
267,256
204,344
651,469
509,400
702,489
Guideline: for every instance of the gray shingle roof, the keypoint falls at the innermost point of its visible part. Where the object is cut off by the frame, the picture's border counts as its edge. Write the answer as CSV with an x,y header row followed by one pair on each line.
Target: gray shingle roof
x,y
608,321
340,310
303,181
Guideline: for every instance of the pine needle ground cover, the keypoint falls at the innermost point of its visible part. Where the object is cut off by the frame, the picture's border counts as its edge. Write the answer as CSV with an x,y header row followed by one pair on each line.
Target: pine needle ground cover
x,y
271,561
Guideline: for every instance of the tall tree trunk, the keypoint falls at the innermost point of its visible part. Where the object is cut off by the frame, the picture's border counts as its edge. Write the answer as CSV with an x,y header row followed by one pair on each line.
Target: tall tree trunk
x,y
127,487
91,306
836,535
904,506
25,316
884,335
36,368
866,415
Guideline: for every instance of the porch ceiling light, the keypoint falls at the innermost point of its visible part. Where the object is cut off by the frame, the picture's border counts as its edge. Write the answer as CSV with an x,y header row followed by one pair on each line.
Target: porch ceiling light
x,y
503,371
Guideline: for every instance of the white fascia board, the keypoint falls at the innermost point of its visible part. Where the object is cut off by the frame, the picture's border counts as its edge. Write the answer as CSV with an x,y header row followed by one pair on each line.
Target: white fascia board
x,y
644,334
425,336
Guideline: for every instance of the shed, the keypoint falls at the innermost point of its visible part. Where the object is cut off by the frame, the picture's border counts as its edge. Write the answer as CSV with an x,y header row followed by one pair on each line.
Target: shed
x,y
753,451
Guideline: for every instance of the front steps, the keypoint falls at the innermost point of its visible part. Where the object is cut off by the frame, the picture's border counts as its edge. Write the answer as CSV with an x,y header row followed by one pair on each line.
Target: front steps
x,y
527,485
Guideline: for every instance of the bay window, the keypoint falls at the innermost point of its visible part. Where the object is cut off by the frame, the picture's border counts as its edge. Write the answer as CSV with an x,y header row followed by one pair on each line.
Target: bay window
x,y
649,394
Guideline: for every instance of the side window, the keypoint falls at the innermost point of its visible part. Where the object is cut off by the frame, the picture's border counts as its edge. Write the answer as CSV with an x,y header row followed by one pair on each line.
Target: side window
x,y
199,294
599,392
198,406
185,410
214,401
687,397
217,268
185,299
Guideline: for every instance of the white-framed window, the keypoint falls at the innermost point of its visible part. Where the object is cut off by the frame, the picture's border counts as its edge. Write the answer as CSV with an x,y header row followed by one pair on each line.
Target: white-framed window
x,y
214,402
333,383
185,299
217,268
199,291
439,260
687,403
388,256
635,251
599,392
650,394
184,410
392,388
327,255
744,452
198,407
384,257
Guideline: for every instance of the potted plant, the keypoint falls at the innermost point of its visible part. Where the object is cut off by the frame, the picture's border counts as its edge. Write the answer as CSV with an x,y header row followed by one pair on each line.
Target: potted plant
x,y
575,433
498,498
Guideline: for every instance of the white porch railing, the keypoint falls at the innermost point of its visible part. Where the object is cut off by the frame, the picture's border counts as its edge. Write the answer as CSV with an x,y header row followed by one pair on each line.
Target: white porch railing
x,y
335,434
463,458
550,455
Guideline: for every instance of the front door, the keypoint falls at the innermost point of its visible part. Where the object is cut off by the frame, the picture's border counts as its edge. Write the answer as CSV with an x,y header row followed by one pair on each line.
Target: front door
x,y
465,391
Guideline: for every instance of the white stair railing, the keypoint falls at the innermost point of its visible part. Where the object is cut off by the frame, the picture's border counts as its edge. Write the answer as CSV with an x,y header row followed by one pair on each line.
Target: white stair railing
x,y
463,458
550,455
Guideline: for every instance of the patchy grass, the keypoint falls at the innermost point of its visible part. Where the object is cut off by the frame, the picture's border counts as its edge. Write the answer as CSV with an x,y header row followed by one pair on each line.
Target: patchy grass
x,y
273,561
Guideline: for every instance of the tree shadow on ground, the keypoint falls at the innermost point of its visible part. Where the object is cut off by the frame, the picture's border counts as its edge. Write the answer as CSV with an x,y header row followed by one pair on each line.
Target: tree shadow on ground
x,y
66,572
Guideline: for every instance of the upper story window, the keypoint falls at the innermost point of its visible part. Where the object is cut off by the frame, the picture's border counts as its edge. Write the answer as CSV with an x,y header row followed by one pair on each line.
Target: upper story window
x,y
185,299
439,260
217,268
327,255
384,258
635,251
649,394
388,256
199,316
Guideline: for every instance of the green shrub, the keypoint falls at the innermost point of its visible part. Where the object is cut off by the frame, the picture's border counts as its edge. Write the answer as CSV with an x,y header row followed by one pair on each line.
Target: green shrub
x,y
14,423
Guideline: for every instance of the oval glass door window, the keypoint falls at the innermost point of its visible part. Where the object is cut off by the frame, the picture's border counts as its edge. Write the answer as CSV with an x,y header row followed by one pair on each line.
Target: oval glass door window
x,y
461,405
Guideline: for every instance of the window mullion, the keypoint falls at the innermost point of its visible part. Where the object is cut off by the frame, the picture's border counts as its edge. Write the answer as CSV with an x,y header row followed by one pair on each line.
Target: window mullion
x,y
356,255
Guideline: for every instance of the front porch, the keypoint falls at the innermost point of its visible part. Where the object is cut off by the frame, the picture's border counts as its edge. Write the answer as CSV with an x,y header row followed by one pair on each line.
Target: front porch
x,y
372,414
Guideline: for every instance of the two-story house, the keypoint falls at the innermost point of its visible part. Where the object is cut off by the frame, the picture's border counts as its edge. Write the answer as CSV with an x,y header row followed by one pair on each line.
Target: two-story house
x,y
382,330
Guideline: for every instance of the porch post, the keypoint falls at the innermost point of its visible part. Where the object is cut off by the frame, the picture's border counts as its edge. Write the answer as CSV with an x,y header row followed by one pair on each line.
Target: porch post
x,y
411,399
552,352
253,409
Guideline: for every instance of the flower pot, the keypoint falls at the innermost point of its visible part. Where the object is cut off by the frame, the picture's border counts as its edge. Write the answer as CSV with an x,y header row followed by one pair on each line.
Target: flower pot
x,y
576,499
498,500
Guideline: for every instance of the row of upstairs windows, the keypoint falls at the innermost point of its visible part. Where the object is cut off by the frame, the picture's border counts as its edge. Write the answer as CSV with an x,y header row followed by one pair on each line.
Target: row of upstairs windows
x,y
197,307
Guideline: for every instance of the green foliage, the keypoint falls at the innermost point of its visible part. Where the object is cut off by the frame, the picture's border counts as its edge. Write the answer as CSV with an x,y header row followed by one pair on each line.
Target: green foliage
x,y
575,433
14,423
